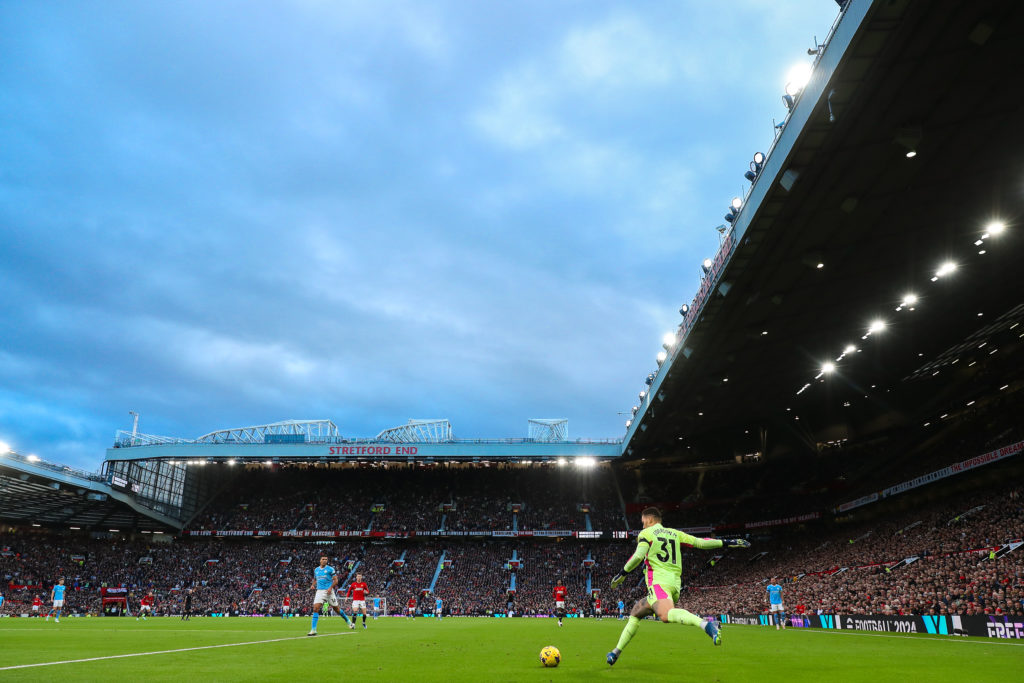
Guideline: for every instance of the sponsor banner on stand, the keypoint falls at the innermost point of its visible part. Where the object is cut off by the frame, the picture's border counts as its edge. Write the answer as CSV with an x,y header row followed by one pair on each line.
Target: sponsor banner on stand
x,y
863,500
1004,627
785,520
924,479
957,468
311,533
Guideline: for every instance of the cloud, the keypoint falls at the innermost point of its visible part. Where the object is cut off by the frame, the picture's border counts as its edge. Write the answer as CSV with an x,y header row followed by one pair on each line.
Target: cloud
x,y
235,213
618,53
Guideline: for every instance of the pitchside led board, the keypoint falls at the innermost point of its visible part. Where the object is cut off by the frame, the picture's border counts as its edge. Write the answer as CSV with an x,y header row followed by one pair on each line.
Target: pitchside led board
x,y
947,625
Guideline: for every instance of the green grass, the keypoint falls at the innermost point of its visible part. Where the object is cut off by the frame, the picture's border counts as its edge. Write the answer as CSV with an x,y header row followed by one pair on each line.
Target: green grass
x,y
397,649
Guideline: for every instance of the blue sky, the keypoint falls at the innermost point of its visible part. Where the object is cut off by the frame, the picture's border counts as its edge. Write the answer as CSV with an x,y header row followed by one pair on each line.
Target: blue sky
x,y
228,213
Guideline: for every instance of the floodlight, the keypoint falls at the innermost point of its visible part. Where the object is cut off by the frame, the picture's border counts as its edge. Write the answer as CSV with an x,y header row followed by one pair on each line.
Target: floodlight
x,y
787,100
706,264
827,368
911,154
33,458
635,408
876,326
562,462
669,338
5,448
231,461
850,348
797,78
585,462
909,299
995,227
649,379
628,422
734,209
759,158
642,395
661,357
945,269
684,309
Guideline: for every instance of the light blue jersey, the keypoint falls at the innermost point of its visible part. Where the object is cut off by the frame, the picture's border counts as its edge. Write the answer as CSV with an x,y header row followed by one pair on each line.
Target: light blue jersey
x,y
438,603
622,605
58,592
324,577
1,601
774,594
376,604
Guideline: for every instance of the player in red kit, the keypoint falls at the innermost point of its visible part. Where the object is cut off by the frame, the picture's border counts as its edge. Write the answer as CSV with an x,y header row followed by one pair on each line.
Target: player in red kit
x,y
559,601
146,606
37,603
286,606
357,591
412,607
597,607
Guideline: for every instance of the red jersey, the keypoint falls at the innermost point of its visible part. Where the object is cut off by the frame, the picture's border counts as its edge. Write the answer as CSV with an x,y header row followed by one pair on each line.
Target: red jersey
x,y
357,590
597,604
37,602
412,602
559,593
287,602
148,600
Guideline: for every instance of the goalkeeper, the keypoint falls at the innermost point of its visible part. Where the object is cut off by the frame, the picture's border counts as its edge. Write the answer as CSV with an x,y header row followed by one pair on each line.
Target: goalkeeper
x,y
660,550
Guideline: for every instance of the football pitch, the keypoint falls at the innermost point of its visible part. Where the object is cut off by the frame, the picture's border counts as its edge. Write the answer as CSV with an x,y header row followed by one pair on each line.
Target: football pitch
x,y
471,649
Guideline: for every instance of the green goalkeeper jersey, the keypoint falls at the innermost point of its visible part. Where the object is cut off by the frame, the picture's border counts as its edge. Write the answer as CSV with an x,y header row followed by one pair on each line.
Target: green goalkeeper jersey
x,y
660,549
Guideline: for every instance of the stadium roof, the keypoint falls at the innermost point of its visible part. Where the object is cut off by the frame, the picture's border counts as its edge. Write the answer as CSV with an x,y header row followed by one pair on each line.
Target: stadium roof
x,y
905,145
33,491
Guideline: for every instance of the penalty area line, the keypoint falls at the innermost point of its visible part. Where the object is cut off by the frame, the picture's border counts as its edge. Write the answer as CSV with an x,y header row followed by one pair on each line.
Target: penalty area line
x,y
166,652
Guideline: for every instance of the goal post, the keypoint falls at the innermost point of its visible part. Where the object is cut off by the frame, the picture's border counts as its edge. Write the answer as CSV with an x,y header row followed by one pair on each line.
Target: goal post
x,y
374,605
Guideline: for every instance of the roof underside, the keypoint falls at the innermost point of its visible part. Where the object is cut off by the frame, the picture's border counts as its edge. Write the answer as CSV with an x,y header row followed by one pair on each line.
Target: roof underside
x,y
34,499
933,76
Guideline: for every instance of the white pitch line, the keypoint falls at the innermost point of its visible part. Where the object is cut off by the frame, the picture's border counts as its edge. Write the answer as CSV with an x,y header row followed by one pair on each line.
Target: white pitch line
x,y
164,652
871,634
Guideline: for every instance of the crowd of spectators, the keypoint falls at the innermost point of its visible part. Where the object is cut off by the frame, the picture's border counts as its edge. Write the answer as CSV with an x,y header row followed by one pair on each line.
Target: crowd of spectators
x,y
854,564
937,561
403,498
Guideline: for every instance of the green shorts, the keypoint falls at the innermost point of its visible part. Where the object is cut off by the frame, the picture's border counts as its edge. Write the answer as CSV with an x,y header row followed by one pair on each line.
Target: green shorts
x,y
661,587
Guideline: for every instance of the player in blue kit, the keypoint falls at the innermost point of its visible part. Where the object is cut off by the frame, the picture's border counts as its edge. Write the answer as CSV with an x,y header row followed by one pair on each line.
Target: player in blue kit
x,y
438,606
775,604
324,581
57,596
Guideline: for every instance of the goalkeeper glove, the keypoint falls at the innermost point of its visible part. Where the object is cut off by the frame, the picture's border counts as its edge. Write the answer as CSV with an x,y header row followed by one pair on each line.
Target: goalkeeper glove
x,y
735,543
618,579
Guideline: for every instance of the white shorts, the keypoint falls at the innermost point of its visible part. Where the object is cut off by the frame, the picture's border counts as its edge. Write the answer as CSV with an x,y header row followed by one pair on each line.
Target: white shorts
x,y
35,608
286,608
437,611
145,608
559,604
597,609
411,610
776,608
326,595
57,604
358,604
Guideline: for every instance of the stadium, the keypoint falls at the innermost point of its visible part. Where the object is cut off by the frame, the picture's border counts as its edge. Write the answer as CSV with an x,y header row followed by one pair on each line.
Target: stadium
x,y
843,392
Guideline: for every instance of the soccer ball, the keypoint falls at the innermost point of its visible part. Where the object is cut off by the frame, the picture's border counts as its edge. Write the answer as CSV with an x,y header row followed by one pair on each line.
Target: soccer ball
x,y
550,656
